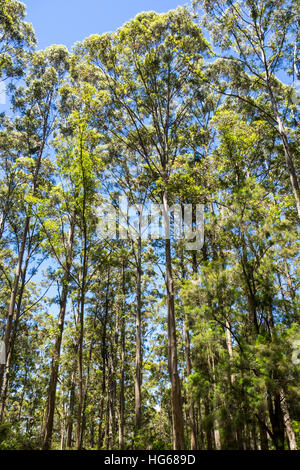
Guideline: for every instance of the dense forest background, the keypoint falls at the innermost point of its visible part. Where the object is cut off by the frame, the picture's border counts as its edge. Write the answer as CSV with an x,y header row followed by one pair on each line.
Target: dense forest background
x,y
135,342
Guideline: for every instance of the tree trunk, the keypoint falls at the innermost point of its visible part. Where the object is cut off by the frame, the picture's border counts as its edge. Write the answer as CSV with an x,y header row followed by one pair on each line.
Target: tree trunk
x,y
122,372
209,427
13,340
71,407
101,431
188,373
276,420
138,338
81,330
264,444
287,422
13,297
86,389
176,398
191,410
48,429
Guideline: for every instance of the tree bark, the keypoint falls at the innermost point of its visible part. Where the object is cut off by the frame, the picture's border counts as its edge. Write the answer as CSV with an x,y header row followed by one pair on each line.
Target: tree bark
x,y
287,422
122,372
276,419
138,338
176,397
193,435
48,429
71,407
9,355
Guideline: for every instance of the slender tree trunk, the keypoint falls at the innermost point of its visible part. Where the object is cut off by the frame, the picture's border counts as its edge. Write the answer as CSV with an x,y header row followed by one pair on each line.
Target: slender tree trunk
x,y
138,338
254,437
101,430
209,426
92,434
122,372
13,297
263,436
81,330
276,420
86,389
13,339
100,426
200,431
229,347
191,409
176,397
63,430
217,436
188,373
122,396
287,422
48,429
111,402
71,407
80,370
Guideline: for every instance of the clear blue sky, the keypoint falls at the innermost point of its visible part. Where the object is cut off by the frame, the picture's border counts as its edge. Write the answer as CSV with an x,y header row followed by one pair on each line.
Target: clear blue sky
x,y
68,21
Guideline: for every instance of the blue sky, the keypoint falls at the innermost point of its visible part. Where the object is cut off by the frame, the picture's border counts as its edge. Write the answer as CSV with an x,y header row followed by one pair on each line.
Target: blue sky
x,y
68,21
